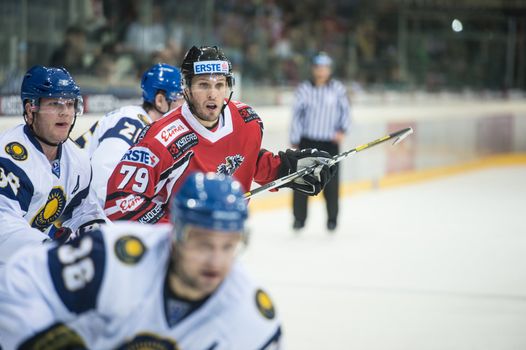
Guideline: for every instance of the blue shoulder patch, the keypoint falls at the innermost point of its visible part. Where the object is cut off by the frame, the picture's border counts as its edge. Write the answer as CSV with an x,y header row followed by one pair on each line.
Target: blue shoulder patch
x,y
248,114
77,269
126,129
16,150
129,249
265,304
15,184
148,341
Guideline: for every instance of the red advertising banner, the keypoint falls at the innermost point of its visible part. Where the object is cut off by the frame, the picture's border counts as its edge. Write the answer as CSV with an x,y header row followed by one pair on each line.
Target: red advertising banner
x,y
401,157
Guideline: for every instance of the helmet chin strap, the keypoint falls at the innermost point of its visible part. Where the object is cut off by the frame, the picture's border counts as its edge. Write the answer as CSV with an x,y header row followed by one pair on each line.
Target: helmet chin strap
x,y
43,140
226,104
159,111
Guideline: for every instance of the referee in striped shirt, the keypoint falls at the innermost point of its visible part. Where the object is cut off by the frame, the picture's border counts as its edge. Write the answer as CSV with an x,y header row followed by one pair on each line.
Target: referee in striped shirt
x,y
320,120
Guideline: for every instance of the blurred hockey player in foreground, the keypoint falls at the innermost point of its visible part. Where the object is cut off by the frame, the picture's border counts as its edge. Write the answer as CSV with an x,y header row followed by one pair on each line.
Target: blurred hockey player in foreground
x,y
44,176
109,138
209,133
133,286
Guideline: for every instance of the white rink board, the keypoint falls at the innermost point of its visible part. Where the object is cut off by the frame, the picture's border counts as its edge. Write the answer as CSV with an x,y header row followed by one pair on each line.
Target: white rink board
x,y
447,132
437,265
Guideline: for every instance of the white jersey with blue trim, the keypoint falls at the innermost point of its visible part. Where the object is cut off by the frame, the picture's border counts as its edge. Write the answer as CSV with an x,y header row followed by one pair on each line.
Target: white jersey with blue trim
x,y
36,193
107,141
107,289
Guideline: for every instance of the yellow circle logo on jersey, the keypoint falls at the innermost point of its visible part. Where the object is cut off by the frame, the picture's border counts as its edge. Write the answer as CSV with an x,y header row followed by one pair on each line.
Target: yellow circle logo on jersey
x,y
129,249
265,305
16,151
51,208
144,341
50,212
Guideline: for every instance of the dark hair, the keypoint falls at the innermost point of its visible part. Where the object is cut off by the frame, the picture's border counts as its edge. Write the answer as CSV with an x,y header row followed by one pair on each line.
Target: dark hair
x,y
75,29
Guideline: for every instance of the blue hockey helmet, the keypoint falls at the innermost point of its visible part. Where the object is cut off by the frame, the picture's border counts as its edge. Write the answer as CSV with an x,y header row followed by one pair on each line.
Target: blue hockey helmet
x,y
50,82
211,201
164,77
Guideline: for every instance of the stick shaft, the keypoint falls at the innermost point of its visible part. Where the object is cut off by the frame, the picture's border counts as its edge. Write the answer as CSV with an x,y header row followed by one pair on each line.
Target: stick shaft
x,y
397,135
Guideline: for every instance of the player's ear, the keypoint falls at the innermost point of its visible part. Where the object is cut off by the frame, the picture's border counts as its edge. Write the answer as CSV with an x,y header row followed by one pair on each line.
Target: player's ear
x,y
28,112
159,97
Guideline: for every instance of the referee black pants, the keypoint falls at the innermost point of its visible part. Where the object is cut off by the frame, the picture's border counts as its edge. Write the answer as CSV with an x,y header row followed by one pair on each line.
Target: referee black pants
x,y
331,191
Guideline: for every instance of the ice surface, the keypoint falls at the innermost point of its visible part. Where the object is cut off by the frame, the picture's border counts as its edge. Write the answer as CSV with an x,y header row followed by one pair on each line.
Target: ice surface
x,y
436,265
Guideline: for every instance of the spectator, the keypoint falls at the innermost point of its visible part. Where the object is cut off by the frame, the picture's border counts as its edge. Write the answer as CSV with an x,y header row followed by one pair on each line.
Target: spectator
x,y
148,34
72,53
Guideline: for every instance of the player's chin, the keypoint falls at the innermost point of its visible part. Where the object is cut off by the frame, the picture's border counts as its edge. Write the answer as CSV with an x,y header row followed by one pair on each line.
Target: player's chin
x,y
57,137
62,129
62,136
212,116
210,283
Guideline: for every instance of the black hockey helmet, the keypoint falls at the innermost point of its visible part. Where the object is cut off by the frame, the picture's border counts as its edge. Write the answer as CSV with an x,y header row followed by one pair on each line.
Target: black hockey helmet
x,y
210,60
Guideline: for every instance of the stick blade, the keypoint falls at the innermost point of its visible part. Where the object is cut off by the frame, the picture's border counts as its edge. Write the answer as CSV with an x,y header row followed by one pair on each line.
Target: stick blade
x,y
402,135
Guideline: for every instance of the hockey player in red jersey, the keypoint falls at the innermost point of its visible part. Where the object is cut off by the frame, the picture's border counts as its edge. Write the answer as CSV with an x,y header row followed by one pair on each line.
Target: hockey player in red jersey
x,y
209,133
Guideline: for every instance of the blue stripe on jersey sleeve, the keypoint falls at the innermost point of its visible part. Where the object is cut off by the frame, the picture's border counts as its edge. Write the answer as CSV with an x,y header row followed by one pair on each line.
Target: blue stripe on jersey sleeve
x,y
273,341
15,184
81,140
75,202
126,129
77,269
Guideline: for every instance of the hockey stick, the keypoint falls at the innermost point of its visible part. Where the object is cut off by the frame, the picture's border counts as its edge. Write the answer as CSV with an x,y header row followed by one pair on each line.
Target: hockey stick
x,y
397,135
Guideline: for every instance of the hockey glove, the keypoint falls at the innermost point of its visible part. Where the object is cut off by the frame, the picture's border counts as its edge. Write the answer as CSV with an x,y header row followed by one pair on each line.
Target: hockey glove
x,y
89,226
310,184
59,234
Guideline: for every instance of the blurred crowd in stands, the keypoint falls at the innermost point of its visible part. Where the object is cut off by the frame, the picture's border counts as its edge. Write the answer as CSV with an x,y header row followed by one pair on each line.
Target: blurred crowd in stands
x,y
269,42
107,44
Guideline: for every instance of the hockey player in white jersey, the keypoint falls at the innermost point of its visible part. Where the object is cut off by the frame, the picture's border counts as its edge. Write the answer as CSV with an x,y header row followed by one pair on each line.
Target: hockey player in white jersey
x,y
133,286
44,176
109,138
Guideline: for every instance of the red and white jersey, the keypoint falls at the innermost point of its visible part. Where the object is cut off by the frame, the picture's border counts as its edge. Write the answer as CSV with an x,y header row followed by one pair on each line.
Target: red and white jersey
x,y
177,145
